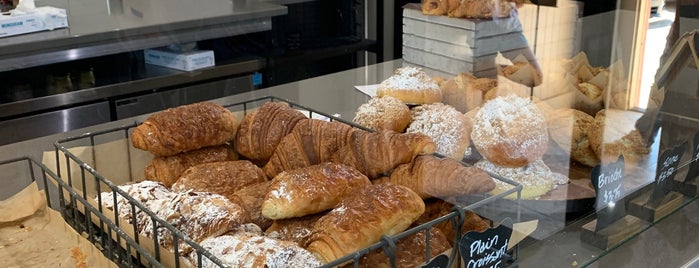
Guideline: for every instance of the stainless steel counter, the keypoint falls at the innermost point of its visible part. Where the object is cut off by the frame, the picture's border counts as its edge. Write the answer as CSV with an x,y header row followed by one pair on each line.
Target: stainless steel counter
x,y
99,28
670,243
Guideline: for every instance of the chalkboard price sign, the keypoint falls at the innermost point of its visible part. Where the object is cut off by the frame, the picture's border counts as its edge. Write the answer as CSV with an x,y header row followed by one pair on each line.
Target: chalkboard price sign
x,y
486,249
608,180
666,171
693,172
441,261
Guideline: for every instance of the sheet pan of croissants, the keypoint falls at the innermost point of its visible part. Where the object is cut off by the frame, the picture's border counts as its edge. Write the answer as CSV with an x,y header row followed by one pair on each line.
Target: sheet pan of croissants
x,y
277,189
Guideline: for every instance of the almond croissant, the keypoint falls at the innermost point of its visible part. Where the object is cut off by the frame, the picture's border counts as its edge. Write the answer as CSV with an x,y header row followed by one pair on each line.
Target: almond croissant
x,y
430,176
261,131
167,169
185,128
311,142
377,153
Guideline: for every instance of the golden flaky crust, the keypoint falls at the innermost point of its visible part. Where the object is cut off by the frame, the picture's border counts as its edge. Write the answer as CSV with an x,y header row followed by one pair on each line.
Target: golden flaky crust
x,y
294,229
185,128
465,92
375,154
568,128
361,219
482,9
435,7
224,178
311,142
430,176
383,113
410,251
312,189
167,169
435,208
261,131
250,198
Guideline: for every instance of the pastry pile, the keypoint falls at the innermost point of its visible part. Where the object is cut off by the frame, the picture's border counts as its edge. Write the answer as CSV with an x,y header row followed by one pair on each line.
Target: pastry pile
x,y
476,118
475,9
282,190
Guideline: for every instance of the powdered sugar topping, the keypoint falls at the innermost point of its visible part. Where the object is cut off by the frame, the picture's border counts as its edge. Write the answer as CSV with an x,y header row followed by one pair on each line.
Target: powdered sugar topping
x,y
410,78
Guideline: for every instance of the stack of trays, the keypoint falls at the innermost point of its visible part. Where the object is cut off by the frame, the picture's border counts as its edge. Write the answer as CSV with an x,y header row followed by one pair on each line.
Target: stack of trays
x,y
448,46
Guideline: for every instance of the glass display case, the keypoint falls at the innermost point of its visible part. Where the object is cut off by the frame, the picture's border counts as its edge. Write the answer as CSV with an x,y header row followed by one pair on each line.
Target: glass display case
x,y
582,113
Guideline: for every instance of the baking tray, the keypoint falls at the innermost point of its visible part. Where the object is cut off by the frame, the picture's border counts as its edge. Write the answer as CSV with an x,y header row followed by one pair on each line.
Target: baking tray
x,y
84,218
86,172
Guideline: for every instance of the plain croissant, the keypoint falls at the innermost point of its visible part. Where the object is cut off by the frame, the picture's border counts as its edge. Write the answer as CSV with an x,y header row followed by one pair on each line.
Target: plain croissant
x,y
310,190
377,153
185,128
167,169
224,178
261,131
311,142
362,218
430,176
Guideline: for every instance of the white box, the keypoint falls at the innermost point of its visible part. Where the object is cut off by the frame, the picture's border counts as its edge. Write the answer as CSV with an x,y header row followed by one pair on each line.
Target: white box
x,y
185,61
43,18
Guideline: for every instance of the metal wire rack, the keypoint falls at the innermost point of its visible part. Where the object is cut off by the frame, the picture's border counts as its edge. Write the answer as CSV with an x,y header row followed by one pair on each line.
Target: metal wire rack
x,y
114,243
79,173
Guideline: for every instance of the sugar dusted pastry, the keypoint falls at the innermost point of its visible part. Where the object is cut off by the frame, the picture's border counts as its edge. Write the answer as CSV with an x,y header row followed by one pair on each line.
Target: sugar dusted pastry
x,y
446,126
383,113
410,85
510,131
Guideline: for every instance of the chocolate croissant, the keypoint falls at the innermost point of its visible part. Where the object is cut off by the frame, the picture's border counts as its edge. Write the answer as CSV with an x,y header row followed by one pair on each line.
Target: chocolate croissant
x,y
261,131
250,198
311,142
185,128
167,169
310,190
410,251
375,154
224,178
430,176
361,219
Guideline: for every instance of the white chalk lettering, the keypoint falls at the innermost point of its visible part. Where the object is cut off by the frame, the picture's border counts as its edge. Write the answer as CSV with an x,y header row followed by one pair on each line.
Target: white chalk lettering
x,y
490,259
611,178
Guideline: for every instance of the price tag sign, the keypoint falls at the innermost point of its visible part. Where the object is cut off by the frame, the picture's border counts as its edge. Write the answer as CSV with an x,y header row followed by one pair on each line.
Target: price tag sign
x,y
486,249
693,172
608,182
441,261
666,170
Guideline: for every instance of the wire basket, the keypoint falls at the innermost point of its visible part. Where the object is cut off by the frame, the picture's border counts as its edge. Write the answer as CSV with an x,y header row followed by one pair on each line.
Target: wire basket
x,y
90,176
87,220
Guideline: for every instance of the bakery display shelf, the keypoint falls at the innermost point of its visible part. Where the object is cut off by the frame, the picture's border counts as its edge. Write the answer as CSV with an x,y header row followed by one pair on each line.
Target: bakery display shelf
x,y
84,218
98,162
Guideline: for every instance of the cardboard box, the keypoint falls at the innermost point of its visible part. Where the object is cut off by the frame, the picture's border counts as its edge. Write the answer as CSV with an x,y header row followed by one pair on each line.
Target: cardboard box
x,y
45,18
185,61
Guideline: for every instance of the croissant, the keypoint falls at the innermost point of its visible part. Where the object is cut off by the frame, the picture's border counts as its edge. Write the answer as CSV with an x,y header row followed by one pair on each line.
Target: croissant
x,y
250,250
250,198
224,178
410,251
435,7
310,190
362,218
294,229
430,176
377,153
196,214
167,169
261,131
185,128
435,208
482,9
311,142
